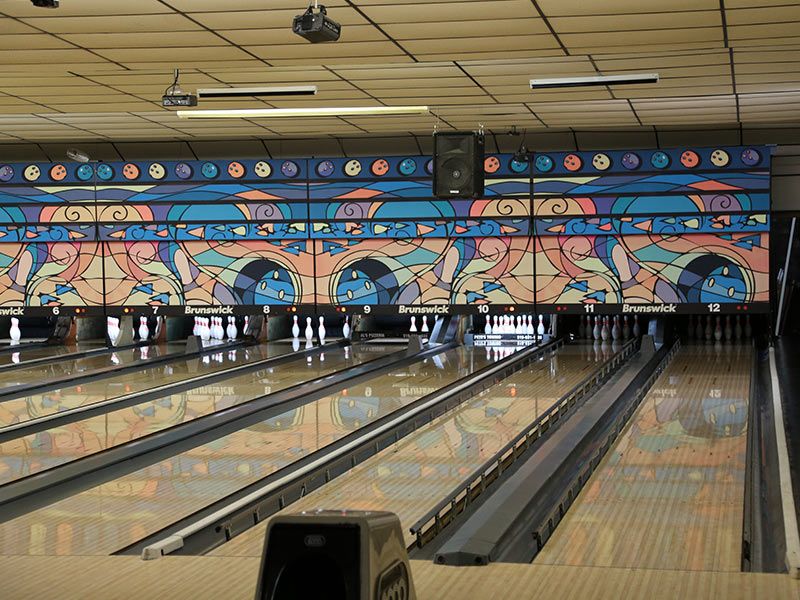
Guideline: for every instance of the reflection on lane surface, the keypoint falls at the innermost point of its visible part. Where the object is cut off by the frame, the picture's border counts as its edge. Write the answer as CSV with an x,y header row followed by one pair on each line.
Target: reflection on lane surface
x,y
413,475
22,352
54,401
44,450
670,493
111,516
36,374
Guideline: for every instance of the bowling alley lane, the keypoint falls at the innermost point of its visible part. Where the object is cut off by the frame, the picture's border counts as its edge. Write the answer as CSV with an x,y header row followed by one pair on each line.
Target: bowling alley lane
x,y
670,493
410,477
24,352
42,372
114,515
35,406
44,450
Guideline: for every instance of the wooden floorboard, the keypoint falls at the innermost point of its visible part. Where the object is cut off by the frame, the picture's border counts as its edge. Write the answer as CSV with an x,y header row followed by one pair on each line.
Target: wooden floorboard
x,y
234,578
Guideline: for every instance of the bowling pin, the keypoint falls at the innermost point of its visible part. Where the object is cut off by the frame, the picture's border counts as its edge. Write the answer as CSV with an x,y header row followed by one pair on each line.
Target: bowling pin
x,y
295,329
346,328
220,329
596,329
205,330
626,329
321,331
425,328
15,332
581,328
530,330
196,327
637,330
232,333
247,323
748,328
616,331
717,330
309,331
144,331
413,325
698,330
487,329
738,329
540,327
709,332
728,329
518,329
605,331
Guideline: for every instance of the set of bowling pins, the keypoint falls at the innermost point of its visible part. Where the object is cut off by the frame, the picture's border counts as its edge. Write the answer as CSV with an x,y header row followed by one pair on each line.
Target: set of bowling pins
x,y
423,328
605,328
506,324
210,328
321,332
711,328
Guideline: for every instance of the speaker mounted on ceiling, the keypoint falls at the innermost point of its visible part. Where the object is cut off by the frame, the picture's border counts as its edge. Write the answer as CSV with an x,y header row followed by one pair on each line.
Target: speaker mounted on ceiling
x,y
458,164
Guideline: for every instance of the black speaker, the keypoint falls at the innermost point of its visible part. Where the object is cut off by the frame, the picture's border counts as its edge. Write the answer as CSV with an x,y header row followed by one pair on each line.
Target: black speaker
x,y
335,555
458,165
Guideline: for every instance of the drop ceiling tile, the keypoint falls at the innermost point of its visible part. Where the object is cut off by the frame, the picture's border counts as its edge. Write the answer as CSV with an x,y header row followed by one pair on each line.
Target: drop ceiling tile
x,y
554,8
85,8
117,24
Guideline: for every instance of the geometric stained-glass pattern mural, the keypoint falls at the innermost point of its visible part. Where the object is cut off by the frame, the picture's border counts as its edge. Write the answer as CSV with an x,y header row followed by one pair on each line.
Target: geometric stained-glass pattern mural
x,y
657,226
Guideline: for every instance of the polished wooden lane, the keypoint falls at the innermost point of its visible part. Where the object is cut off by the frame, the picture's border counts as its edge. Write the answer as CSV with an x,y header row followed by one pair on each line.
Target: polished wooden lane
x,y
34,406
24,351
670,492
234,578
410,477
47,449
36,374
109,517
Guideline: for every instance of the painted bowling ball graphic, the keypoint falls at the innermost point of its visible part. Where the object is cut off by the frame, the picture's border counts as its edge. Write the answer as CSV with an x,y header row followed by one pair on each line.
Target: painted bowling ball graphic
x,y
491,164
265,281
263,169
104,172
720,158
751,157
290,169
6,173
429,167
32,173
631,161
157,171
58,173
660,160
183,171
601,162
544,163
85,172
407,166
380,167
572,162
690,159
518,166
352,168
365,281
714,278
209,170
325,168
131,171
236,170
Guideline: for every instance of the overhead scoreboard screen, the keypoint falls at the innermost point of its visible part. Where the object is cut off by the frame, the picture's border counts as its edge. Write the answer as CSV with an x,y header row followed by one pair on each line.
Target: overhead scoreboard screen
x,y
586,232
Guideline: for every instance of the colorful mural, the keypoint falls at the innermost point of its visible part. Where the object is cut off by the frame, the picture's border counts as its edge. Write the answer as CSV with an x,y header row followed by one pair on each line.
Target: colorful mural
x,y
659,226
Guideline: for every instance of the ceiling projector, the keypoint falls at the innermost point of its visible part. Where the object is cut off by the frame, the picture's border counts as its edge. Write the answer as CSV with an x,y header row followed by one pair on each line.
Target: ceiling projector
x,y
316,27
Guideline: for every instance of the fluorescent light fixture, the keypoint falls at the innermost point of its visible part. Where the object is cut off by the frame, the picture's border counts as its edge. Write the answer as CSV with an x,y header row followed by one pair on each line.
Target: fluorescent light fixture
x,y
250,92
567,82
344,111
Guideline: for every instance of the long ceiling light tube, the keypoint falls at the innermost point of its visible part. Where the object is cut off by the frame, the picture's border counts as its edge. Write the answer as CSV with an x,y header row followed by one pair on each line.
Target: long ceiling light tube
x,y
567,82
268,113
250,92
